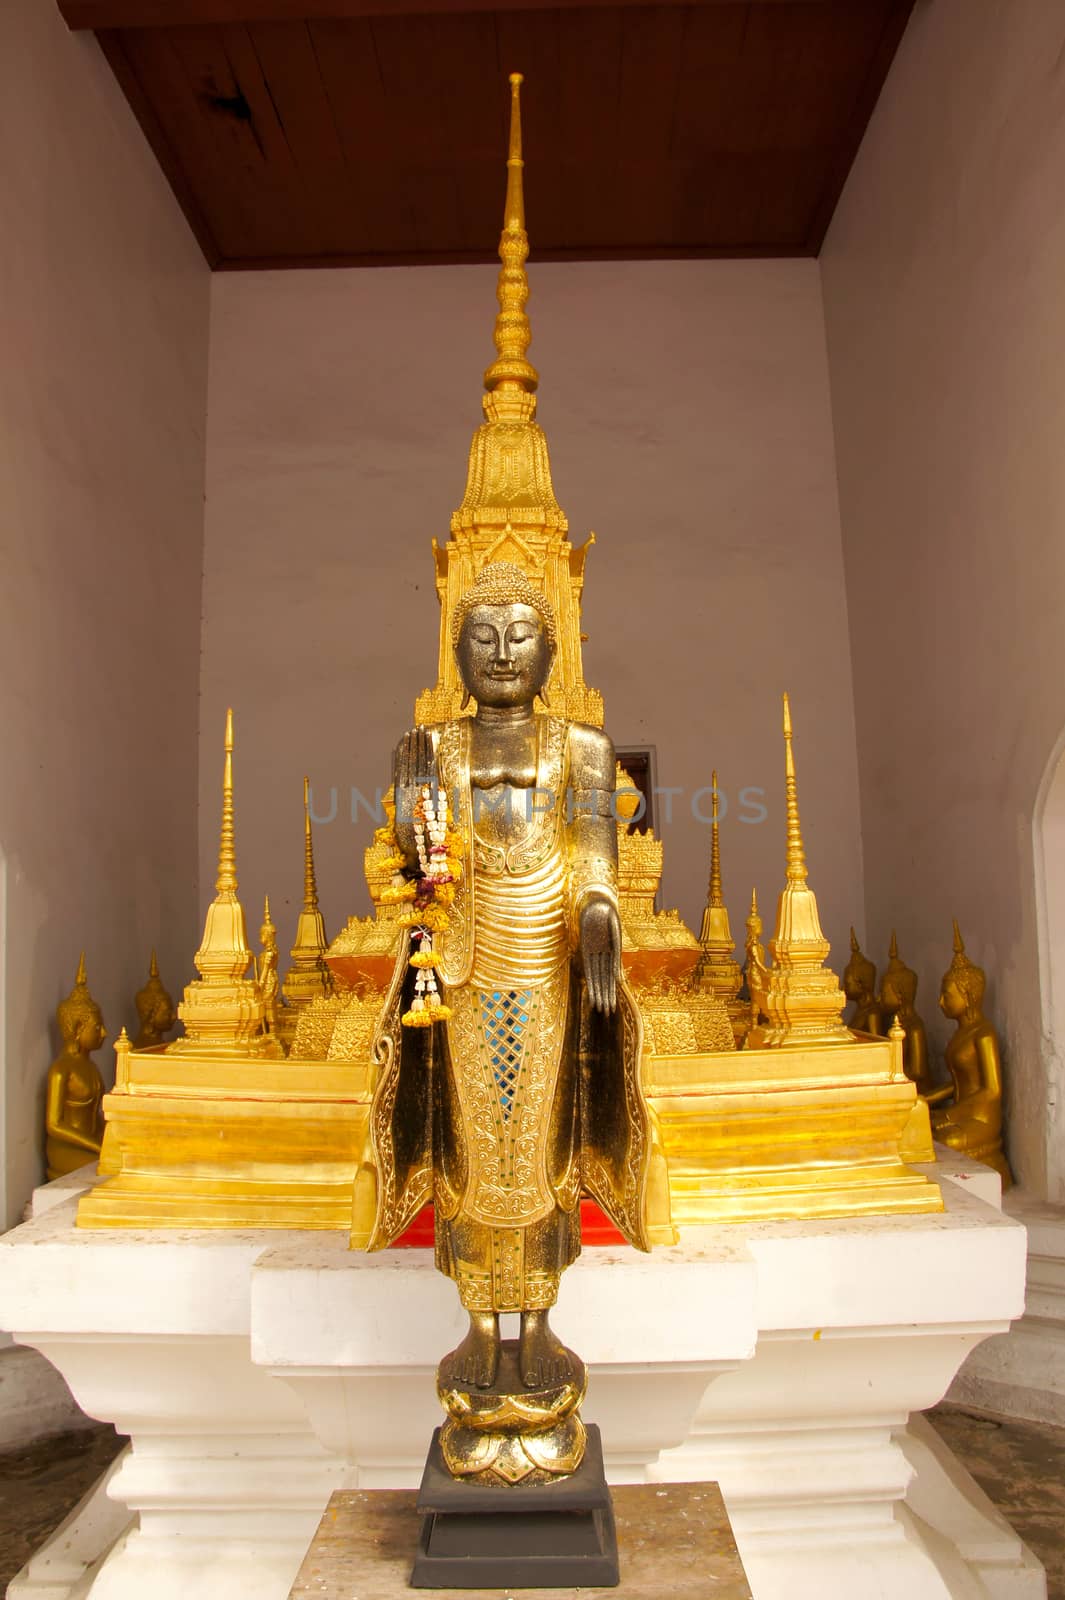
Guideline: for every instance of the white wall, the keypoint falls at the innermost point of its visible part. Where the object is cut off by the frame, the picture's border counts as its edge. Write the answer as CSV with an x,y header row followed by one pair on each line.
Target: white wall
x,y
105,308
686,405
943,281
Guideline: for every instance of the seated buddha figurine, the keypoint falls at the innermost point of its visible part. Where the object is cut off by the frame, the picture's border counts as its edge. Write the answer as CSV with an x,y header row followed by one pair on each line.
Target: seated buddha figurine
x,y
898,995
74,1125
155,1010
859,985
527,1092
972,1122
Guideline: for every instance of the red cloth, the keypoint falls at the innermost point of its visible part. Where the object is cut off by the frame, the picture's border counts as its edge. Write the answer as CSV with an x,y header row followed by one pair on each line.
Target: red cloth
x,y
596,1228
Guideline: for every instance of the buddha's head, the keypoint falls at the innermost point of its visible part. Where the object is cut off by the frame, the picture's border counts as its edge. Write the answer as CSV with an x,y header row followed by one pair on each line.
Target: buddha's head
x,y
81,1023
504,637
898,987
961,993
268,933
859,975
155,1008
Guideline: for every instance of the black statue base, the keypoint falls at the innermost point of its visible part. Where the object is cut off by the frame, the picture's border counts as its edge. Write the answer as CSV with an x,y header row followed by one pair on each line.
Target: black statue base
x,y
556,1535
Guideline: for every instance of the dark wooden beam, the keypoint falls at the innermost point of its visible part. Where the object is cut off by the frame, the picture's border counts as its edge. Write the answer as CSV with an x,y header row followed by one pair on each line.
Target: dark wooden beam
x,y
177,13
468,258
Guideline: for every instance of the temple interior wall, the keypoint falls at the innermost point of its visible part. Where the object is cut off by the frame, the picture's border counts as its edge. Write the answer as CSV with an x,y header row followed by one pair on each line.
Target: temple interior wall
x,y
102,397
943,275
686,405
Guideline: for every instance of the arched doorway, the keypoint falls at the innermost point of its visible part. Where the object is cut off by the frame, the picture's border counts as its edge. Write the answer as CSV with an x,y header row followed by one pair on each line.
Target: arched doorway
x,y
1049,847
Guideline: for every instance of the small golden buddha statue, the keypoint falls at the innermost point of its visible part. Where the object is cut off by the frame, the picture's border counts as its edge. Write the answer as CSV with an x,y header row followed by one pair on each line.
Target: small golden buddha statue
x,y
859,985
266,970
898,994
155,1010
972,1122
74,1125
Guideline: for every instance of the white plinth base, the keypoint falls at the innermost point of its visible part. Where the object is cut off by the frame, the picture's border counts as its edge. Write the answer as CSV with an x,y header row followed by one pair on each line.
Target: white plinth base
x,y
256,1372
1022,1373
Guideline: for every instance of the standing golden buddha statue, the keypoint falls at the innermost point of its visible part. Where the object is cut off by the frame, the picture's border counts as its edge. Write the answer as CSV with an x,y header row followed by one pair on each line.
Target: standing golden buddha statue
x,y
528,1091
898,997
859,985
266,975
507,1053
972,1122
74,1124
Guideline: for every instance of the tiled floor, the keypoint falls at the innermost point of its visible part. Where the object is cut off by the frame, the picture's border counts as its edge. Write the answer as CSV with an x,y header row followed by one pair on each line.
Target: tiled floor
x,y
1021,1465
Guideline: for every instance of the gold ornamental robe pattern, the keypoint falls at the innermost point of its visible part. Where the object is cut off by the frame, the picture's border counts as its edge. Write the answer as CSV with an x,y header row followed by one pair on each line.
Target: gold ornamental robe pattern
x,y
527,1097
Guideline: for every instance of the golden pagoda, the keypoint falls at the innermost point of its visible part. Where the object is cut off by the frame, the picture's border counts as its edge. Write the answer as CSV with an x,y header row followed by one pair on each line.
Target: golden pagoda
x,y
308,978
223,1012
802,999
717,971
215,1131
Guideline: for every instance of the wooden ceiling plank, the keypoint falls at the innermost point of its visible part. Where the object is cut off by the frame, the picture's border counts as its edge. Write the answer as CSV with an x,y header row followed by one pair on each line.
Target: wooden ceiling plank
x,y
289,64
590,56
179,13
419,144
896,16
475,116
363,115
219,190
113,45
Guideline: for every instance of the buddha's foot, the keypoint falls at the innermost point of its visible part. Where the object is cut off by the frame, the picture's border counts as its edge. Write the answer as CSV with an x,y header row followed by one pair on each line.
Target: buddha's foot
x,y
476,1360
542,1357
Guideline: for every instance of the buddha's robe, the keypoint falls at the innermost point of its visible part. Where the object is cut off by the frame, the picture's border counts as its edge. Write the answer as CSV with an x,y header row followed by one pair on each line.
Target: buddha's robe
x,y
526,1097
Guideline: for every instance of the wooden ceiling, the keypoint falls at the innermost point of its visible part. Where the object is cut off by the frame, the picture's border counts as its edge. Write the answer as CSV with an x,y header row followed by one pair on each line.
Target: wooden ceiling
x,y
349,132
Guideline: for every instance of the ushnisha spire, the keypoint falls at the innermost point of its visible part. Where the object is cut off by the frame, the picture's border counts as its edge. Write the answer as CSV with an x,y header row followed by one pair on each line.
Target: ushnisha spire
x,y
803,1000
511,380
223,1012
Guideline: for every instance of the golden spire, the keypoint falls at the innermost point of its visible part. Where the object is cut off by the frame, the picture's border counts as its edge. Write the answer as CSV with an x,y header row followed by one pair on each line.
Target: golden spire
x,y
310,885
796,855
308,977
511,379
893,948
226,881
716,971
153,966
714,895
803,1000
959,942
81,980
223,1012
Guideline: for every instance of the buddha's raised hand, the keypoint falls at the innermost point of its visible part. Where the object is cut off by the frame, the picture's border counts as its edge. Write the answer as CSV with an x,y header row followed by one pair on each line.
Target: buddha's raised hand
x,y
413,765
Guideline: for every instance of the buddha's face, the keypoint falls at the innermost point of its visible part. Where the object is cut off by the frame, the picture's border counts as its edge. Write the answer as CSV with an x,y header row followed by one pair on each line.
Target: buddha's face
x,y
91,1032
162,1017
504,655
890,995
952,1002
857,982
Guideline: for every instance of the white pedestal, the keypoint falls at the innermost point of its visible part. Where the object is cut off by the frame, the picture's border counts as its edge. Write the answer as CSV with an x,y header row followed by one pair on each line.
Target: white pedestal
x,y
255,1372
1022,1373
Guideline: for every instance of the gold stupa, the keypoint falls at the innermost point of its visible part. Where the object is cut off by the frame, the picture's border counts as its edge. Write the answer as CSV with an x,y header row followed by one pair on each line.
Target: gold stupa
x,y
223,1128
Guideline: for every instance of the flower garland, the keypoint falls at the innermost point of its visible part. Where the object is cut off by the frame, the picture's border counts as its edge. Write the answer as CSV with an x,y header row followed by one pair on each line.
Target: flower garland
x,y
428,894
